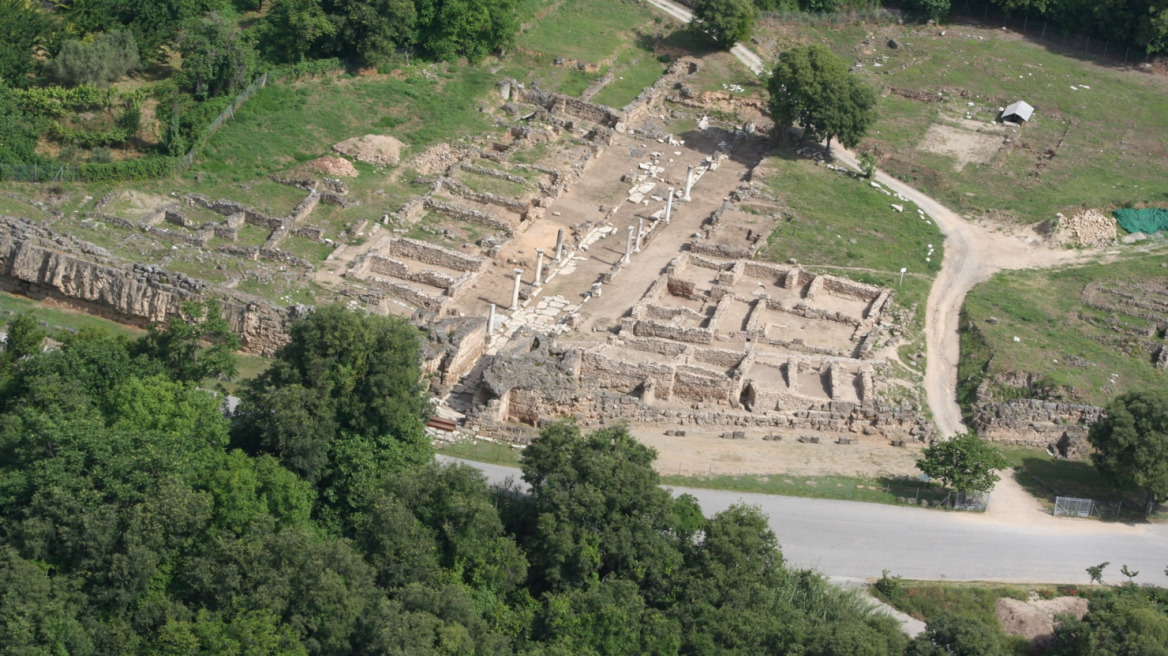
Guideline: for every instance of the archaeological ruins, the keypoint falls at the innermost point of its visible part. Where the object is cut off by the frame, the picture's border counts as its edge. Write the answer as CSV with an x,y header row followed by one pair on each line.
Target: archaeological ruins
x,y
614,279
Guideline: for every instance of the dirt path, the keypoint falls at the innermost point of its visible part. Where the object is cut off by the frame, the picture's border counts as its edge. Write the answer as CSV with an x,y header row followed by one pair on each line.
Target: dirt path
x,y
973,253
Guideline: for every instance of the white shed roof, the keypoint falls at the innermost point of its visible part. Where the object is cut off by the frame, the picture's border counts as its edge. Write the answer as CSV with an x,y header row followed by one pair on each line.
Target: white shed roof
x,y
1020,111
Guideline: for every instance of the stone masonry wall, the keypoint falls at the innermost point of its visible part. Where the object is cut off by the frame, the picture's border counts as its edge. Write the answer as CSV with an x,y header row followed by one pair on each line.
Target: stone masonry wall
x,y
39,263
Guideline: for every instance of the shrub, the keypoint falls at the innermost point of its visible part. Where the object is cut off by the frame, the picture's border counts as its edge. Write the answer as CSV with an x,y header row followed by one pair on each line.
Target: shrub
x,y
99,61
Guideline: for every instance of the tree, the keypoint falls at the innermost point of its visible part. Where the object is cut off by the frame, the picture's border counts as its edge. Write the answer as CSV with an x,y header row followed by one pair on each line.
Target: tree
x,y
97,61
725,21
472,28
1131,443
180,345
293,28
963,462
811,87
369,31
218,58
1126,620
24,338
956,635
599,510
935,9
25,29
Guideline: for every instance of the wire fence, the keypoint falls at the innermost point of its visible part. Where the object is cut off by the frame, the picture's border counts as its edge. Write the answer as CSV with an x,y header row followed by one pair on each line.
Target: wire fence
x,y
986,14
186,161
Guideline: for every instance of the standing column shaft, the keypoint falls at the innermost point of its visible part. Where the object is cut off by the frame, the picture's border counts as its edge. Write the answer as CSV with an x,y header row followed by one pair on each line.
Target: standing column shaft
x,y
689,175
539,267
640,229
628,246
515,294
559,244
669,205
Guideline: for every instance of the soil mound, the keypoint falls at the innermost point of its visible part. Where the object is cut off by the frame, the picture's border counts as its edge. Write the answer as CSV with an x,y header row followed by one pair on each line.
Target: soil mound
x,y
1035,619
374,149
331,166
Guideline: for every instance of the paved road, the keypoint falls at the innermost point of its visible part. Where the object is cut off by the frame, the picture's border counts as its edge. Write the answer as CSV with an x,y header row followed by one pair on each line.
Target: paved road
x,y
852,540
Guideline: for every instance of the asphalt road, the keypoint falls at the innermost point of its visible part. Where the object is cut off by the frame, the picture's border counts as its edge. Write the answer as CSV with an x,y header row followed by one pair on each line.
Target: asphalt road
x,y
852,540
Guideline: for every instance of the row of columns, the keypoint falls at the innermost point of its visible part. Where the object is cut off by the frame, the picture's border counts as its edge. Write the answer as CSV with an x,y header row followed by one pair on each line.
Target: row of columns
x,y
632,245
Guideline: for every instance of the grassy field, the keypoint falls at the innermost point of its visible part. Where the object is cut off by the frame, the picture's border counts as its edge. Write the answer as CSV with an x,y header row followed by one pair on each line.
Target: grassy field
x,y
1036,322
883,489
63,318
482,451
842,225
1108,135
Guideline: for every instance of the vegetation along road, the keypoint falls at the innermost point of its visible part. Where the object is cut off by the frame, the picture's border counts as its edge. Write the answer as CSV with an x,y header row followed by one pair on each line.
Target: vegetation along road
x,y
847,539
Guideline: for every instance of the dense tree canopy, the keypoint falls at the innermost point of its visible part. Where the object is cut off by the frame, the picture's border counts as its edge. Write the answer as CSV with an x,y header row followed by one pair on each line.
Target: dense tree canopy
x,y
129,524
811,87
1131,442
964,462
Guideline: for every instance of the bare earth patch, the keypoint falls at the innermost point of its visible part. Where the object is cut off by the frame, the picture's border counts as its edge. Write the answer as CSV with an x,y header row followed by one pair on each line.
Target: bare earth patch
x,y
332,166
375,149
703,452
1035,619
973,142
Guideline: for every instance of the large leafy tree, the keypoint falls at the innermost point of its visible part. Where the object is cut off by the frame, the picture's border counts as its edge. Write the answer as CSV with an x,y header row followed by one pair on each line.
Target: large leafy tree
x,y
964,462
599,508
25,31
218,58
1131,443
811,87
293,28
726,22
342,404
370,31
471,28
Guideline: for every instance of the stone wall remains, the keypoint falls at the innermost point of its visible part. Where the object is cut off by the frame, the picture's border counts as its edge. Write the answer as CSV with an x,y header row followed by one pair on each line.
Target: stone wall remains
x,y
39,263
434,255
1037,423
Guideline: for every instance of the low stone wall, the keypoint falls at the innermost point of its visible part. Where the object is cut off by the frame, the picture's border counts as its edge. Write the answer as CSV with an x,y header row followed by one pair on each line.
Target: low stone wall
x,y
558,103
228,207
650,328
409,294
434,255
702,385
604,372
195,239
467,214
457,188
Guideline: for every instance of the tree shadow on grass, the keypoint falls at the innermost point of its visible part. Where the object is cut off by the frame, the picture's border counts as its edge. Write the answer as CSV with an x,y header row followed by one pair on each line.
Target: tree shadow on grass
x,y
913,490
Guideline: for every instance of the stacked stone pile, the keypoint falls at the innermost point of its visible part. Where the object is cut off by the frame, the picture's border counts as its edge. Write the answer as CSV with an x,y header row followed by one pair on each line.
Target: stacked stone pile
x,y
1090,228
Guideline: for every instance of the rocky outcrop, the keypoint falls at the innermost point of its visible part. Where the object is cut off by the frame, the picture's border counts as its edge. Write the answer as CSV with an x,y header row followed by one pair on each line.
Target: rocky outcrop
x,y
39,263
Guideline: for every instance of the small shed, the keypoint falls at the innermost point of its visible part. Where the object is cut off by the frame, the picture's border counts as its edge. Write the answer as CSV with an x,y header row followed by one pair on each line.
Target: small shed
x,y
1019,112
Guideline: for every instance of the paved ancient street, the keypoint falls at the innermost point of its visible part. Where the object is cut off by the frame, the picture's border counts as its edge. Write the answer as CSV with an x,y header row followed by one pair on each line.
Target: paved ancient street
x,y
852,540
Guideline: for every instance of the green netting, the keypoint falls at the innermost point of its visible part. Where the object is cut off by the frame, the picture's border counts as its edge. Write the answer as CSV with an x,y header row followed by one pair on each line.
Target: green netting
x,y
1147,221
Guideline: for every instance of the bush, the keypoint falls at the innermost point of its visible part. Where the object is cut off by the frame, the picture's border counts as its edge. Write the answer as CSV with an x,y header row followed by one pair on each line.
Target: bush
x,y
104,59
